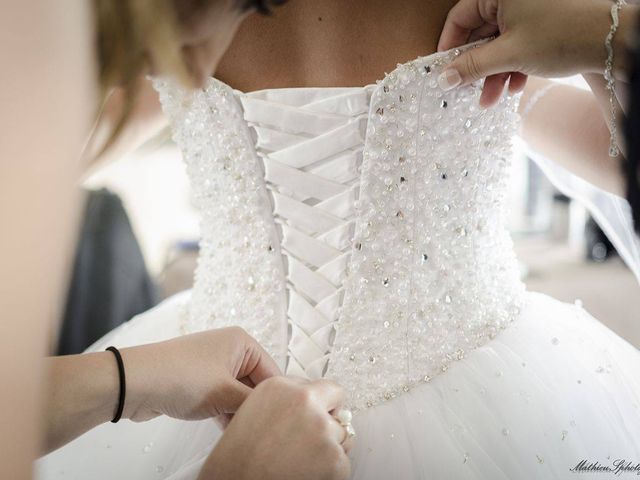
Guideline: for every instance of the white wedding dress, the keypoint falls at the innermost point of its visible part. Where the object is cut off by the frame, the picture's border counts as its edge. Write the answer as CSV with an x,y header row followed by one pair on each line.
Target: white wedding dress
x,y
359,234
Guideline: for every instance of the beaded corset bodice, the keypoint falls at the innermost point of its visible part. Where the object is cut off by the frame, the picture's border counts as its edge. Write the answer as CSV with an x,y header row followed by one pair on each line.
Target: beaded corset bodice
x,y
357,233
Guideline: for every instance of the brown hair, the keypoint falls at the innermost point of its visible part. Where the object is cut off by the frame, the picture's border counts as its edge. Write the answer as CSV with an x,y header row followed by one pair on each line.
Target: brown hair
x,y
128,34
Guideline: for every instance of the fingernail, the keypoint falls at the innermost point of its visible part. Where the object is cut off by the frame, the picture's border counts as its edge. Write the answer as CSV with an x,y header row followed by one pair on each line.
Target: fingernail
x,y
449,79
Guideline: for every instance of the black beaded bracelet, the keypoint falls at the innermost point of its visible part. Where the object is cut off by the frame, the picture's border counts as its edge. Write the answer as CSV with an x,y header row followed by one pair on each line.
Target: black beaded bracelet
x,y
123,384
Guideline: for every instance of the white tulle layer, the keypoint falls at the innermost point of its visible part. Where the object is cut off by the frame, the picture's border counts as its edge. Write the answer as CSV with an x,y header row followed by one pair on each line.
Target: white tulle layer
x,y
553,389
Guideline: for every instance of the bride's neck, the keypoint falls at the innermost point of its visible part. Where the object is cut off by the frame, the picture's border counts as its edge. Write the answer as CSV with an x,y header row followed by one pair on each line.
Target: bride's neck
x,y
331,43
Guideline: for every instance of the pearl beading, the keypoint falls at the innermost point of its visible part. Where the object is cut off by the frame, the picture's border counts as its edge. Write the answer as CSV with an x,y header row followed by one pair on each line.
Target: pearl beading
x,y
432,272
239,278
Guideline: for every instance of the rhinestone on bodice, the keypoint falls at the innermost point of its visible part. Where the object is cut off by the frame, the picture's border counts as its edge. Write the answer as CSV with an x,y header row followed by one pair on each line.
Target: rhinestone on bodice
x,y
357,233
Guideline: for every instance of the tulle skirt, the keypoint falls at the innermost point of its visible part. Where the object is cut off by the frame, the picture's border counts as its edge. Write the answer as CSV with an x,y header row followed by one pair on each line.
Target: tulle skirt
x,y
551,395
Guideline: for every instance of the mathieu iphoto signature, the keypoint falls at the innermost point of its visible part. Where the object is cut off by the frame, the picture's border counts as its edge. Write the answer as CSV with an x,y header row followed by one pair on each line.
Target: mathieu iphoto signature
x,y
620,466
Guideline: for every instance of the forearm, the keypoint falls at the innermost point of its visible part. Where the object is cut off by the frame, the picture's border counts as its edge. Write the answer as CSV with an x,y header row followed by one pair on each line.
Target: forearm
x,y
586,51
83,393
622,46
601,98
624,41
191,377
567,126
84,390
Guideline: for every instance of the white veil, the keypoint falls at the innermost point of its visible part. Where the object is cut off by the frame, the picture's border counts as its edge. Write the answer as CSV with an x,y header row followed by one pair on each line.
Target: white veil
x,y
611,212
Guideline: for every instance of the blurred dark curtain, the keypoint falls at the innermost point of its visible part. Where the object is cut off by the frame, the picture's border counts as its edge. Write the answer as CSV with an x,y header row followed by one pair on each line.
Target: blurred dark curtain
x,y
110,283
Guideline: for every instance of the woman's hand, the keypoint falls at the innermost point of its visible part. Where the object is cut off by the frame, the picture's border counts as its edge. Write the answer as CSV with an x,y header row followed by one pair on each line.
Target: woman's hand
x,y
196,376
547,38
284,431
193,377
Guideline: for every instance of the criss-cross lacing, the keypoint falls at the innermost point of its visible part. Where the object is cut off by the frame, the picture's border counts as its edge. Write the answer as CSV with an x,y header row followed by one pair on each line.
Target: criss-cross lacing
x,y
311,152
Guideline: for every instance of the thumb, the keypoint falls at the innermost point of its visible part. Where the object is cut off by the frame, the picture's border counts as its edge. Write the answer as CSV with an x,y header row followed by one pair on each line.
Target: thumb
x,y
477,63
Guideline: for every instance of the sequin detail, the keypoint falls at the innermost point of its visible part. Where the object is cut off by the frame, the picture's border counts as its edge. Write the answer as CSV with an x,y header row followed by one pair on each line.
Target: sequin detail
x,y
432,274
443,270
239,280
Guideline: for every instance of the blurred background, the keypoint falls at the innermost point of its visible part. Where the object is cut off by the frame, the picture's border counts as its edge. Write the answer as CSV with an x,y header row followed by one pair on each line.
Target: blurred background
x,y
139,243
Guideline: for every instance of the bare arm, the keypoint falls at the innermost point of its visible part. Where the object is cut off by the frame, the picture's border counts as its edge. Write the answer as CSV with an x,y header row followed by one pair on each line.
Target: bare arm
x,y
191,377
567,125
46,94
83,394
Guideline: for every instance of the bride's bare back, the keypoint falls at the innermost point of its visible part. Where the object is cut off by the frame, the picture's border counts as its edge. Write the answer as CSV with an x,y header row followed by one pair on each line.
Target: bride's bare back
x,y
331,42
323,43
